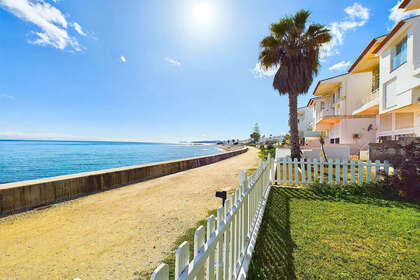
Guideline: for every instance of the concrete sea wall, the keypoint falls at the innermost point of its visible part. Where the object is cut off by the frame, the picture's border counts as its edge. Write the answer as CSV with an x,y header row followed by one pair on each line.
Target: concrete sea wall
x,y
25,195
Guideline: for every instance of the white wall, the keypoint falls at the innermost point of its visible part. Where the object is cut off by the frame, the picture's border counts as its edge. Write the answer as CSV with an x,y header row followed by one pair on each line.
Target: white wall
x,y
404,77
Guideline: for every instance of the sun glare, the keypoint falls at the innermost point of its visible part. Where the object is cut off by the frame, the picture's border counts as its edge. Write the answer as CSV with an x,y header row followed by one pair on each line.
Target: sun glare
x,y
203,13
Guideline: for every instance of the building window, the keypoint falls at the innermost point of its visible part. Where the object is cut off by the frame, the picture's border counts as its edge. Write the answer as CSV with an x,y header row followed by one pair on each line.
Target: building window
x,y
337,140
400,53
390,94
332,141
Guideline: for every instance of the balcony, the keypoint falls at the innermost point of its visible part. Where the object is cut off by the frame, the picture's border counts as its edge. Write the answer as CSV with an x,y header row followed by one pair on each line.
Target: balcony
x,y
369,105
325,118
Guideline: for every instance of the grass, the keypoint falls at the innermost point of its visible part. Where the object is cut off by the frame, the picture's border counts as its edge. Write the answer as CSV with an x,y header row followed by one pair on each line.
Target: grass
x,y
307,236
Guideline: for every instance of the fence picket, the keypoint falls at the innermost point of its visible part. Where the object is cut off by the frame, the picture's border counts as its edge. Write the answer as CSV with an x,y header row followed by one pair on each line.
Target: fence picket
x,y
337,171
330,171
309,167
352,168
161,272
219,258
182,258
369,171
226,243
289,166
321,170
377,171
199,242
316,177
345,174
302,167
296,178
211,224
386,168
360,170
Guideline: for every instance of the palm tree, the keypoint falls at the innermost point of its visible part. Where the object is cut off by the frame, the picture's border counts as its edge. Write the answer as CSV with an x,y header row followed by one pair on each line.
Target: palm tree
x,y
294,49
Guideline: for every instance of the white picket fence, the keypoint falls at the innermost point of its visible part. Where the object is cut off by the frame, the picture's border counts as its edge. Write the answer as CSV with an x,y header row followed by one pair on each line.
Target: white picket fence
x,y
228,250
308,171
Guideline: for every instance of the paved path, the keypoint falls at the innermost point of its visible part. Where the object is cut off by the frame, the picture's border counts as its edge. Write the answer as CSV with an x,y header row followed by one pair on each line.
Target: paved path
x,y
111,235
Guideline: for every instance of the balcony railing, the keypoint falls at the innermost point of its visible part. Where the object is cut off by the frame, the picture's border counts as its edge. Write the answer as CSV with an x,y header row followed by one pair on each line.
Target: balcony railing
x,y
373,95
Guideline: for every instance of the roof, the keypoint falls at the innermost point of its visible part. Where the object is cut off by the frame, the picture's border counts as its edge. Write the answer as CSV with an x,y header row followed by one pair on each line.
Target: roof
x,y
365,51
389,36
404,4
392,33
312,99
325,80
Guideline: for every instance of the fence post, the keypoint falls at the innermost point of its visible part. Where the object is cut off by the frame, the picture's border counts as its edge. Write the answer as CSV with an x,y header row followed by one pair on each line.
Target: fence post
x,y
211,223
289,161
219,266
227,242
182,258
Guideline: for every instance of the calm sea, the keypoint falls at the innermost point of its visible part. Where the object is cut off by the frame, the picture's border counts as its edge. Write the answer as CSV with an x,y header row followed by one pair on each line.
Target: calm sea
x,y
26,160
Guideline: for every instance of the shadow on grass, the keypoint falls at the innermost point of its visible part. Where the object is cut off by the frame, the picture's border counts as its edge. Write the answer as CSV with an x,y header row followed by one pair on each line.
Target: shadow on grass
x,y
273,255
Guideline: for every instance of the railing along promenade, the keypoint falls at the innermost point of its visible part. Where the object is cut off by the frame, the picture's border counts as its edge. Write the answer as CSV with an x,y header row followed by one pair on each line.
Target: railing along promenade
x,y
226,250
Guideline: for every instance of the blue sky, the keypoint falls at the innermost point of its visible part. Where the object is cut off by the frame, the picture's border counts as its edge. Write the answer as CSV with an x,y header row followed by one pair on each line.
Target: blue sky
x,y
158,70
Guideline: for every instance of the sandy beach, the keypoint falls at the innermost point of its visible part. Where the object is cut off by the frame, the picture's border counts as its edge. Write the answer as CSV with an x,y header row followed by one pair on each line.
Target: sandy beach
x,y
113,234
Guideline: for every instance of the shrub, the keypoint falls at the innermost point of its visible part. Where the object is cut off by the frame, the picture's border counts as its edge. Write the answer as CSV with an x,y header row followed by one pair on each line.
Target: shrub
x,y
375,189
406,178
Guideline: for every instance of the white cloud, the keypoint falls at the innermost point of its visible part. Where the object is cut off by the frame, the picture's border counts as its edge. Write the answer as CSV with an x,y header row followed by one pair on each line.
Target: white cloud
x,y
397,14
173,61
78,29
6,96
341,65
51,22
260,71
357,16
123,58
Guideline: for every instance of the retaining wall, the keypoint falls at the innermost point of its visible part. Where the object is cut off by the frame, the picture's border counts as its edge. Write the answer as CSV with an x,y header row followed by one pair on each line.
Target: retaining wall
x,y
25,195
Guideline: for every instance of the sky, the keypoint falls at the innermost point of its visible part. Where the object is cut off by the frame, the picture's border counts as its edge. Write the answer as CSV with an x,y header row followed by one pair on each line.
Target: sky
x,y
160,71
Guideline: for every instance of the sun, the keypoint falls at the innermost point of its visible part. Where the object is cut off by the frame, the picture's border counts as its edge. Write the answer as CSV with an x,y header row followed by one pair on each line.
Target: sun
x,y
203,13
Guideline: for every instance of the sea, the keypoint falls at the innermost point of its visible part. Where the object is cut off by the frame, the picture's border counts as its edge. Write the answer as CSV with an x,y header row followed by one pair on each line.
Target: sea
x,y
33,159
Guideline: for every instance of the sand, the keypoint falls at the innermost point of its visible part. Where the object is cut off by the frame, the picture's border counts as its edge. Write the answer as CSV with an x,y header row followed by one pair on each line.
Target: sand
x,y
111,235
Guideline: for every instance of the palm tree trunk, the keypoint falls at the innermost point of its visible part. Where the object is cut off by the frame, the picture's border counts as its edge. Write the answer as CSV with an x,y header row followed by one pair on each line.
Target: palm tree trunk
x,y
294,133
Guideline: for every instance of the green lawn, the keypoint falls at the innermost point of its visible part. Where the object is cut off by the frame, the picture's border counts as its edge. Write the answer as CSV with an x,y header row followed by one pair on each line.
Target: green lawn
x,y
305,236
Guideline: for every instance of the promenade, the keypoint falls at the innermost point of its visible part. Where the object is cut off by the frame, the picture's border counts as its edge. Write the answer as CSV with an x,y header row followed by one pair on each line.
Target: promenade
x,y
111,235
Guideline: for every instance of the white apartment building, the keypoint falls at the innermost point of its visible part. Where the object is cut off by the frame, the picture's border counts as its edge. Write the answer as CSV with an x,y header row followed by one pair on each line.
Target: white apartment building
x,y
307,135
395,96
336,98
